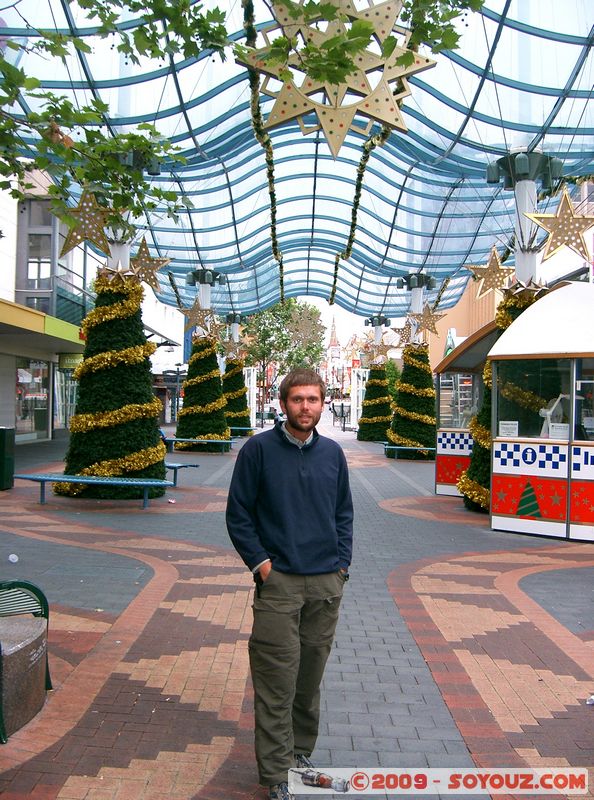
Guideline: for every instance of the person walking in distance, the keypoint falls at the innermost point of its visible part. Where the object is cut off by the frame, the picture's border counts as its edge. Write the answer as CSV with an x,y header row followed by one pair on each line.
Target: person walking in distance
x,y
290,518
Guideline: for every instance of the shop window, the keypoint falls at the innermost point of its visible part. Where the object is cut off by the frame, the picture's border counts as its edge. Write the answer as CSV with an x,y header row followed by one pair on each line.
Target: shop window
x,y
31,409
533,398
584,399
39,261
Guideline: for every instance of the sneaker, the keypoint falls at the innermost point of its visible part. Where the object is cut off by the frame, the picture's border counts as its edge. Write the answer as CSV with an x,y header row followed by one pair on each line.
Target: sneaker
x,y
303,762
280,791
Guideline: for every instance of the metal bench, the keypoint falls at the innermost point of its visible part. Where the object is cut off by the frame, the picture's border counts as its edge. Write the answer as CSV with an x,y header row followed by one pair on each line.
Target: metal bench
x,y
176,467
397,447
54,477
24,667
225,444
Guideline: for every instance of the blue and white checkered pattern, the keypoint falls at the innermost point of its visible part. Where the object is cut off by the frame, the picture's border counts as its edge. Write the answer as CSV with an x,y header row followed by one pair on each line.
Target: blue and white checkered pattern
x,y
525,458
454,443
582,462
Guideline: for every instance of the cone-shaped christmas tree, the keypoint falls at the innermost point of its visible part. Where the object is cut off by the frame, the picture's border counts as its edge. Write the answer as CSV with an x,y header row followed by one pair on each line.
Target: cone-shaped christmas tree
x,y
528,505
115,431
414,423
377,411
475,482
203,413
235,391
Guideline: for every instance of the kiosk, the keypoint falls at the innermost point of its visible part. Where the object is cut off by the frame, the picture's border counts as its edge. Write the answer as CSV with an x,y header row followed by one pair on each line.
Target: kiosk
x,y
543,418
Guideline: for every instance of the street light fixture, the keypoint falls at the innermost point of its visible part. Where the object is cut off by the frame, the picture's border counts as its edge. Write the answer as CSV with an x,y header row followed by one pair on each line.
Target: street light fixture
x,y
205,277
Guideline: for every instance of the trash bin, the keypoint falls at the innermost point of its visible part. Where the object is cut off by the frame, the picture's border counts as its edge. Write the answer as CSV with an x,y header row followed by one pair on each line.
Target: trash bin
x,y
40,418
6,458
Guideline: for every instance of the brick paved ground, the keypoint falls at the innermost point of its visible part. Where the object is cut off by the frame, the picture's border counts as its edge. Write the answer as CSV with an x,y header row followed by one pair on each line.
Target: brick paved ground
x,y
457,645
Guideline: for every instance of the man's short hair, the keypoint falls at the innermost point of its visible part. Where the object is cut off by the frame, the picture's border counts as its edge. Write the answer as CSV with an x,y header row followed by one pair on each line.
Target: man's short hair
x,y
301,377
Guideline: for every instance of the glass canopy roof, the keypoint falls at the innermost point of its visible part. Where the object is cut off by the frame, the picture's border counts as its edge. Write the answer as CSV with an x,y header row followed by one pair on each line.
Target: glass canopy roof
x,y
522,77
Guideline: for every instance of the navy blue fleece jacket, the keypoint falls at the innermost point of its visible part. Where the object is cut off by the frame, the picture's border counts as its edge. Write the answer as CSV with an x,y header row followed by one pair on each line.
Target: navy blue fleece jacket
x,y
291,504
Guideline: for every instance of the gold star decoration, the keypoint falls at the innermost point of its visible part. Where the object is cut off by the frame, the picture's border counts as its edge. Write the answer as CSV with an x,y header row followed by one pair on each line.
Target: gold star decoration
x,y
216,326
116,274
336,105
197,316
564,228
147,267
380,352
90,218
493,276
230,348
526,290
427,320
404,334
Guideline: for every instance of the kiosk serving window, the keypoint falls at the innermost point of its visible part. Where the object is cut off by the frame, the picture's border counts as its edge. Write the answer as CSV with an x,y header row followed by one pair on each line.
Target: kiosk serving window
x,y
584,399
533,398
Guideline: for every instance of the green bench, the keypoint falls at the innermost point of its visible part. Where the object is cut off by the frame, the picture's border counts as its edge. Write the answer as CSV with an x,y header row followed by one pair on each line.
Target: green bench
x,y
176,467
224,444
397,447
54,477
24,667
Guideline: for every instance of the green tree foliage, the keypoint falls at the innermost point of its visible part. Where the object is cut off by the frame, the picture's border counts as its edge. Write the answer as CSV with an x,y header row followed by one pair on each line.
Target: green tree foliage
x,y
203,412
376,416
414,423
115,431
393,376
237,412
283,337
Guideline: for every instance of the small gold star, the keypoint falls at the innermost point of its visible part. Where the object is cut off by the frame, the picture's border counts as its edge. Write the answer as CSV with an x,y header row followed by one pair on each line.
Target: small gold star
x,y
116,274
91,221
404,333
380,351
427,320
197,316
230,348
146,267
493,276
565,228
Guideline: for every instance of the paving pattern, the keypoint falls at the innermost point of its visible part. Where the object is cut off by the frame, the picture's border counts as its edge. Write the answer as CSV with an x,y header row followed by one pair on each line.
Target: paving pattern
x,y
457,645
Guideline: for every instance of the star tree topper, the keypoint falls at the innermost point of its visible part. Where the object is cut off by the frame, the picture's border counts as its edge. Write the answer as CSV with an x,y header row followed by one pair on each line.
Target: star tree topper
x,y
404,334
336,105
427,320
90,217
493,276
564,228
197,316
146,267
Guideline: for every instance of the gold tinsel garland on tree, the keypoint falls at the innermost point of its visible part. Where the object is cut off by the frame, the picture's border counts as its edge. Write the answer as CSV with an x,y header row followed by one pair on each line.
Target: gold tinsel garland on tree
x,y
106,419
201,378
205,409
129,356
426,418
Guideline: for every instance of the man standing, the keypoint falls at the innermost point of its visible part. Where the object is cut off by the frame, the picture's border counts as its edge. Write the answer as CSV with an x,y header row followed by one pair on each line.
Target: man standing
x,y
290,518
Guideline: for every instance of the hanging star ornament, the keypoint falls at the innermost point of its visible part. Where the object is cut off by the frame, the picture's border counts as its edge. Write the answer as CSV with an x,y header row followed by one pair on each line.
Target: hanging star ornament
x,y
404,333
427,320
493,276
146,267
380,352
197,316
116,273
90,222
564,228
373,90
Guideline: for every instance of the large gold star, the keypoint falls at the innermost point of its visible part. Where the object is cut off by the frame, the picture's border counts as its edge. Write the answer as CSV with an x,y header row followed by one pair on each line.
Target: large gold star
x,y
197,316
426,321
493,276
90,218
380,352
564,228
336,105
147,267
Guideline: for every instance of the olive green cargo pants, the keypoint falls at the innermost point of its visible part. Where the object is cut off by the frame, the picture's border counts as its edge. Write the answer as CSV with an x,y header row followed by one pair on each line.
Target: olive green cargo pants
x,y
295,618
